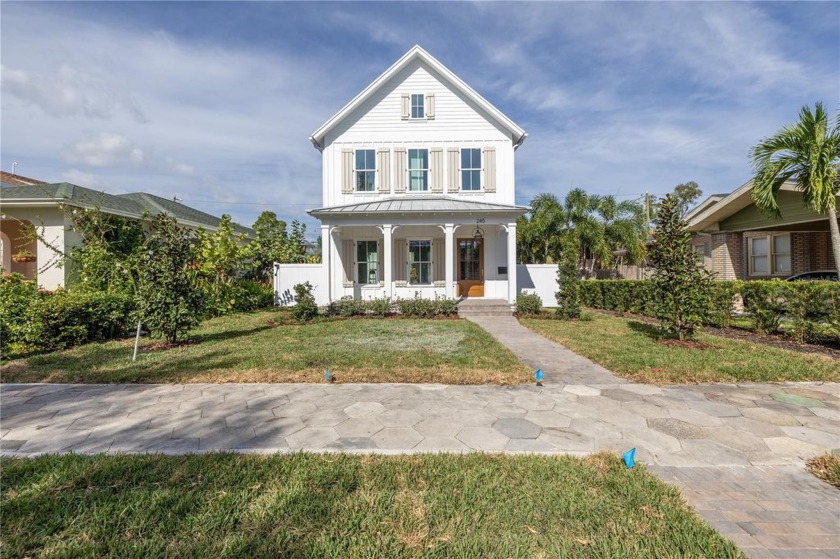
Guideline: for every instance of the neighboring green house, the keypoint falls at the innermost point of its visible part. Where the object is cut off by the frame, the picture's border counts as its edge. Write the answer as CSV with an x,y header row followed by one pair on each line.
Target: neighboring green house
x,y
31,203
736,241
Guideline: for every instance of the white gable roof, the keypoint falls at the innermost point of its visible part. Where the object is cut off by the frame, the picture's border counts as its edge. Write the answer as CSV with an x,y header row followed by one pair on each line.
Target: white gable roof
x,y
416,52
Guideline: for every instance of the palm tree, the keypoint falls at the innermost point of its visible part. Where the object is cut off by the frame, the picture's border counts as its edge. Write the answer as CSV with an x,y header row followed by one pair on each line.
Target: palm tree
x,y
806,153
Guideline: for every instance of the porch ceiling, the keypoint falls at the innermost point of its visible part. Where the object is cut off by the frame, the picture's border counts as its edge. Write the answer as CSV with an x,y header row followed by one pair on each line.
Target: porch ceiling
x,y
417,205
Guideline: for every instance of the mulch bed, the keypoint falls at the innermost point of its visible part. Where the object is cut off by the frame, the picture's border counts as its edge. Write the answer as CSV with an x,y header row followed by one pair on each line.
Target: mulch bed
x,y
774,340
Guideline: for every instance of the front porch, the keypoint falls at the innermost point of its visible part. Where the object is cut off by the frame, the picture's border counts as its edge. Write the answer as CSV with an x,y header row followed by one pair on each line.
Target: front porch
x,y
399,261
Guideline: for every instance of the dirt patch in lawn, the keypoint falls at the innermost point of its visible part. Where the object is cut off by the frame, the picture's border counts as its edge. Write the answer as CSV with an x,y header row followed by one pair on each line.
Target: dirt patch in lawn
x,y
687,344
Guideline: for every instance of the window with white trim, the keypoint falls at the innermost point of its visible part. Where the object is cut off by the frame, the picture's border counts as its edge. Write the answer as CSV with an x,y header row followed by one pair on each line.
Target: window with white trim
x,y
367,262
770,255
418,170
420,262
470,169
365,170
418,105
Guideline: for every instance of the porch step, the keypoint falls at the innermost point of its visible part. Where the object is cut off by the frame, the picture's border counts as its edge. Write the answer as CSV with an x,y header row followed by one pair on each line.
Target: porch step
x,y
483,307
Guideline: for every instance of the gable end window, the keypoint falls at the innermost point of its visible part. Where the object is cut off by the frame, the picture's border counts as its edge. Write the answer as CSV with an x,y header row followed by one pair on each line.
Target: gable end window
x,y
418,105
365,170
418,170
769,255
470,169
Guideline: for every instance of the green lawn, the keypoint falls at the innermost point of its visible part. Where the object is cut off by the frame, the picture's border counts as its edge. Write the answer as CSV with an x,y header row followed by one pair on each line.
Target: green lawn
x,y
310,505
266,346
630,348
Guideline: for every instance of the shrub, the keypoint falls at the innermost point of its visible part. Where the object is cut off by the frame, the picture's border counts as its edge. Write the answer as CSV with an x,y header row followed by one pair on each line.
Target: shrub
x,y
635,296
528,304
721,302
763,300
305,308
17,295
251,295
682,290
568,294
347,306
64,319
379,307
418,307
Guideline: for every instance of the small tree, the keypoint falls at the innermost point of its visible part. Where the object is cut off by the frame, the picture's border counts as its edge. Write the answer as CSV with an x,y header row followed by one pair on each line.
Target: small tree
x,y
568,297
682,289
220,258
305,308
268,246
169,298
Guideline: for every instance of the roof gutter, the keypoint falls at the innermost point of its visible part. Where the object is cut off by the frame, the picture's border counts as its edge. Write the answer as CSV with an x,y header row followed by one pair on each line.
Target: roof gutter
x,y
315,143
520,141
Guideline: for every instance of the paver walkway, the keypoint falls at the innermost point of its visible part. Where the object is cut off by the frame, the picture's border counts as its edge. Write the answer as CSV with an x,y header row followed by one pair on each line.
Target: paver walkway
x,y
735,449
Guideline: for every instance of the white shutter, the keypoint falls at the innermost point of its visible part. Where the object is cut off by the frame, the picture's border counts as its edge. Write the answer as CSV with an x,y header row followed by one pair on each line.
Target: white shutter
x,y
436,170
489,169
383,170
438,261
430,106
406,107
454,169
347,171
399,170
400,259
347,255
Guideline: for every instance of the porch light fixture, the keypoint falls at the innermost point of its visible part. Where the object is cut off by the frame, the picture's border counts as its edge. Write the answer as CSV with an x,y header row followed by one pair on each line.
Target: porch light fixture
x,y
479,234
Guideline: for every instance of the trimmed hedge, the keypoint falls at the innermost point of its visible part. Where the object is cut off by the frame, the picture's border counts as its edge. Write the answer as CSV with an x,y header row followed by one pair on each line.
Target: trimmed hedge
x,y
35,321
528,304
416,307
810,310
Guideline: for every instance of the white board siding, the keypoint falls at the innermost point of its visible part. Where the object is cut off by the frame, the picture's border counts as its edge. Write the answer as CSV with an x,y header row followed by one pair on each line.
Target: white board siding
x,y
504,156
456,117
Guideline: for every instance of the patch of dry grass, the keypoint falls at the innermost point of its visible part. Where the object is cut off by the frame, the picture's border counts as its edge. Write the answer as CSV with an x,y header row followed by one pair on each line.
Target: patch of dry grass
x,y
826,467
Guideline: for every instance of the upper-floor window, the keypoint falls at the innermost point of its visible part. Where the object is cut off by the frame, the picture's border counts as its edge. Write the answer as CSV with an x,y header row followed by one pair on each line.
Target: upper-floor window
x,y
418,170
470,169
365,170
418,105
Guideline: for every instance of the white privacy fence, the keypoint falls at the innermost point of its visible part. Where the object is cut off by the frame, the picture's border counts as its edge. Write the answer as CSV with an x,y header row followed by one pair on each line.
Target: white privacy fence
x,y
287,276
540,279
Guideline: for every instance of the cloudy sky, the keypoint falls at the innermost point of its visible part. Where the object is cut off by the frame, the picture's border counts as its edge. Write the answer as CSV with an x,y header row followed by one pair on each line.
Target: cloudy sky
x,y
214,102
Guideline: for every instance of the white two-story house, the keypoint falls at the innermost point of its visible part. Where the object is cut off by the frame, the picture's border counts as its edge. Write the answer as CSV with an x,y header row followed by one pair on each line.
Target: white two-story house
x,y
418,189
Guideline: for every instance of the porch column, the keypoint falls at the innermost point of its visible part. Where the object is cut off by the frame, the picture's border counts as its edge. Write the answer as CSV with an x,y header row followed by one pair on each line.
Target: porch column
x,y
511,262
326,250
449,233
387,263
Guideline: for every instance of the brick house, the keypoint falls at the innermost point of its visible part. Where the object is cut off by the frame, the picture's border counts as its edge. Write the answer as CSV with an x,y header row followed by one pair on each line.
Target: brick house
x,y
736,241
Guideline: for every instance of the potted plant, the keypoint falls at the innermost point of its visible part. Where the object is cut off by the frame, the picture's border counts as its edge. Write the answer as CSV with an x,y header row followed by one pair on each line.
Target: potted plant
x,y
23,255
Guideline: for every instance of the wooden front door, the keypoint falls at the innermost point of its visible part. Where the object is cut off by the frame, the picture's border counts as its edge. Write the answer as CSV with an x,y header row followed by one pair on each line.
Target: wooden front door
x,y
471,267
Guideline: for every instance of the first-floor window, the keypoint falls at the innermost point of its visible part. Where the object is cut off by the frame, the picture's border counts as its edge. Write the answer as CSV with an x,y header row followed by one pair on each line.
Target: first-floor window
x,y
367,262
418,170
365,170
781,254
770,255
420,261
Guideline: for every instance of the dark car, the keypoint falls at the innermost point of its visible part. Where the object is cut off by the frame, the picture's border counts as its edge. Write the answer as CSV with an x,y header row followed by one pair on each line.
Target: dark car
x,y
816,275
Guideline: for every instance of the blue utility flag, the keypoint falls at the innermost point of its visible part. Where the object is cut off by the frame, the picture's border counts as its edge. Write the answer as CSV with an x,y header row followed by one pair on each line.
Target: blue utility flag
x,y
539,376
629,458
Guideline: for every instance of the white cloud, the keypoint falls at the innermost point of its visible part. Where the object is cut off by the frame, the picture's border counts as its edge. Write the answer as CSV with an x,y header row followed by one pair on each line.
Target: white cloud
x,y
67,91
105,150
